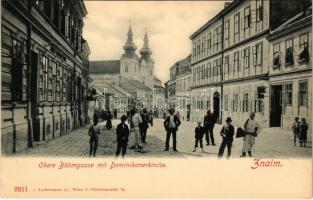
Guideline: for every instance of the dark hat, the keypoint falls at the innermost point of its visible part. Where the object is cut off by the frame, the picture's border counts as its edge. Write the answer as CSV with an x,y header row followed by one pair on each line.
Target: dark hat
x,y
123,118
171,110
228,119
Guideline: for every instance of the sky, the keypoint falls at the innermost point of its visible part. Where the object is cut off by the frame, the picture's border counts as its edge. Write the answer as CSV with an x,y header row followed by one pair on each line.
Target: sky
x,y
169,25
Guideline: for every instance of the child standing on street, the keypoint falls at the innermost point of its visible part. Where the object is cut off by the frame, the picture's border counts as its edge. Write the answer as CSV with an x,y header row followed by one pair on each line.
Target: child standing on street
x,y
296,130
122,133
93,132
303,132
199,131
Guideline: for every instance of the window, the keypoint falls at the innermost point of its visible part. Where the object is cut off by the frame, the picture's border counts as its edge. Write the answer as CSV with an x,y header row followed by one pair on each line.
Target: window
x,y
259,10
219,38
288,92
226,65
209,43
219,66
245,54
304,48
303,90
193,75
276,55
236,27
198,49
194,52
226,102
202,72
245,102
18,51
214,68
236,61
202,45
257,53
126,69
247,19
198,73
289,52
227,24
235,102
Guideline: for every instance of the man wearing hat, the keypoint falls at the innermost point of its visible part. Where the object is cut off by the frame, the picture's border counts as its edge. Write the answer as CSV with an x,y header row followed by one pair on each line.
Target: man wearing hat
x,y
122,133
227,133
144,125
171,125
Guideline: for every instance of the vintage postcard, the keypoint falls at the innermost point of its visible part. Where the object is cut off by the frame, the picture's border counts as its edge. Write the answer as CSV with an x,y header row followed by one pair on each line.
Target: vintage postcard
x,y
156,99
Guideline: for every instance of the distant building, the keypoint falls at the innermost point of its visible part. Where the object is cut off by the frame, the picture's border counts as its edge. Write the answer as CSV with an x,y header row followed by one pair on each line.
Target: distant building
x,y
159,102
178,87
137,72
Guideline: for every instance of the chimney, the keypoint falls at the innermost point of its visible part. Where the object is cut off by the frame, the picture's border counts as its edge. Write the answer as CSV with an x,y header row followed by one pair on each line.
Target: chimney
x,y
226,4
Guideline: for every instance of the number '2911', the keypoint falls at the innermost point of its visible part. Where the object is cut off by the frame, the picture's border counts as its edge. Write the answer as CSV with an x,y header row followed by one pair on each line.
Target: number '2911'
x,y
20,189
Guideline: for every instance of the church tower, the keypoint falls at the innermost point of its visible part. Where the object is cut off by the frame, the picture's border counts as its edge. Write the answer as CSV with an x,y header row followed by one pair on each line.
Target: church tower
x,y
146,63
129,60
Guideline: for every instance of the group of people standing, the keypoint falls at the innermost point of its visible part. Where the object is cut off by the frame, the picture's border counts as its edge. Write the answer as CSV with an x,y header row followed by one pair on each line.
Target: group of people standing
x,y
139,124
300,131
251,129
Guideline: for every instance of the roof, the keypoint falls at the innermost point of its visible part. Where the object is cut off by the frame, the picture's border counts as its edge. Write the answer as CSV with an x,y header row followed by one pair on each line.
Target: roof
x,y
104,67
229,7
131,86
110,89
295,23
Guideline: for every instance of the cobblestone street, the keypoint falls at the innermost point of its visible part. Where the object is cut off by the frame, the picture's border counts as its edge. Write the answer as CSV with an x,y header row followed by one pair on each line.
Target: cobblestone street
x,y
272,142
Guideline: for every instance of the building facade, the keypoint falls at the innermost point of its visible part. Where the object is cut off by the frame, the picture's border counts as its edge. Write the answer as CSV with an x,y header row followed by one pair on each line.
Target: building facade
x,y
44,71
230,61
159,102
290,73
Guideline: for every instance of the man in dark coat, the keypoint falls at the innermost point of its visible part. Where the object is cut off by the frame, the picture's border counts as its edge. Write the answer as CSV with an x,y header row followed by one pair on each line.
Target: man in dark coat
x,y
122,133
171,125
227,133
144,125
109,120
209,122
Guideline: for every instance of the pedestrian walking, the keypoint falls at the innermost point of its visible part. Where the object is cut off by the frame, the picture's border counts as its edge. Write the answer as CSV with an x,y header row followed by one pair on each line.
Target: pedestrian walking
x,y
199,131
303,132
144,125
94,132
109,120
252,128
227,134
171,124
150,115
135,131
122,134
296,130
209,122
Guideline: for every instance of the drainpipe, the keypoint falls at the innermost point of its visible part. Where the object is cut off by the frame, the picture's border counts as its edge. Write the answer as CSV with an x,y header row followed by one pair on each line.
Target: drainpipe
x,y
29,39
222,70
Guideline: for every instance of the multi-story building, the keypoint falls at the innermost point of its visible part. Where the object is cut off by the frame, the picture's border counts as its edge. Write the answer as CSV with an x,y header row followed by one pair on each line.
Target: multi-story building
x,y
230,60
290,71
178,71
44,71
183,84
159,103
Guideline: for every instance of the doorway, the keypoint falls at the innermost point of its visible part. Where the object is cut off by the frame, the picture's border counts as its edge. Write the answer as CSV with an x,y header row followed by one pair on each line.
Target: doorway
x,y
216,106
276,105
